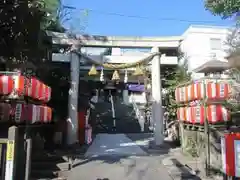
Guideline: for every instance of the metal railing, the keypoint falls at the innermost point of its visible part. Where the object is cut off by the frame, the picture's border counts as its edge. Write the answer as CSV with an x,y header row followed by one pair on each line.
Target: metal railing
x,y
140,115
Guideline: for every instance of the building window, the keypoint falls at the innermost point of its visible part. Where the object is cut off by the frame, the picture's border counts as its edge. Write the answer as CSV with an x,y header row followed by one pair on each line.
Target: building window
x,y
215,44
169,52
96,51
140,50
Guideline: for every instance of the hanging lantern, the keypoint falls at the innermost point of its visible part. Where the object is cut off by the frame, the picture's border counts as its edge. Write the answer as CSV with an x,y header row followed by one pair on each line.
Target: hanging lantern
x,y
126,77
93,71
102,75
115,76
138,71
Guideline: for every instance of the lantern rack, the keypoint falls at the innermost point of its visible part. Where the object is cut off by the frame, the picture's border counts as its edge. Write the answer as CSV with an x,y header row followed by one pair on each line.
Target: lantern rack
x,y
204,101
13,99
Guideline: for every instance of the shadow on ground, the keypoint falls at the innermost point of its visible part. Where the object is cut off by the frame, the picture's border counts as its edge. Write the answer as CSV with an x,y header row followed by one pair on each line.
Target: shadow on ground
x,y
143,140
183,172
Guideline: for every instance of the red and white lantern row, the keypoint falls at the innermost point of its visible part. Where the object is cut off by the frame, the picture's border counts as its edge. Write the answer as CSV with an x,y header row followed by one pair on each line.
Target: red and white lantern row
x,y
230,145
32,113
27,112
38,90
195,114
34,88
195,91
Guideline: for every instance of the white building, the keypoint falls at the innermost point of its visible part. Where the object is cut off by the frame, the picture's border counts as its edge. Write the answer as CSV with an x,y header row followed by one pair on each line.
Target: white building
x,y
202,44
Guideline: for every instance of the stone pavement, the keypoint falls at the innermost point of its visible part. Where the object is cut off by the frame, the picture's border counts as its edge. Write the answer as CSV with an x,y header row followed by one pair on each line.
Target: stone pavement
x,y
180,166
116,167
129,157
113,144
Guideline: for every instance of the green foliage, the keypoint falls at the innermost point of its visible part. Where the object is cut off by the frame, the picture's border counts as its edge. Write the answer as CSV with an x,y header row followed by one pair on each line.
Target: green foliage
x,y
175,78
233,102
56,15
21,25
50,12
223,8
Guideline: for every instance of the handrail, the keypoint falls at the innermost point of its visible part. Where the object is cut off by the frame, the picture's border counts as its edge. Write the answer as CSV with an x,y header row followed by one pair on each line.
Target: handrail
x,y
139,113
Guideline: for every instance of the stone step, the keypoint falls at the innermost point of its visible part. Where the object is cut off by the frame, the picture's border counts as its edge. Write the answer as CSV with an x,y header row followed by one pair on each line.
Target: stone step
x,y
57,178
48,174
51,166
44,157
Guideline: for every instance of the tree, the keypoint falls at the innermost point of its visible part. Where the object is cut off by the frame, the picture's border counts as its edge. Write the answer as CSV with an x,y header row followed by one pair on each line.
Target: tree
x,y
223,8
175,78
57,15
233,41
21,25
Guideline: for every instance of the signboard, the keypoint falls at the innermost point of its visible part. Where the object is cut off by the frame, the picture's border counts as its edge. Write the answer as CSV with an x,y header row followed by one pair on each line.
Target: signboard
x,y
237,157
10,150
230,144
9,160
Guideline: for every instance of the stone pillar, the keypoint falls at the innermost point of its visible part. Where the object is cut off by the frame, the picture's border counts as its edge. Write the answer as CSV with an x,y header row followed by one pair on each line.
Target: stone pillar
x,y
13,165
72,121
157,114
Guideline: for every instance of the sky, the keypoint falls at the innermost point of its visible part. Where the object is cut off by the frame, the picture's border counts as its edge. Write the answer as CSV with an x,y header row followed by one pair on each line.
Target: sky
x,y
139,17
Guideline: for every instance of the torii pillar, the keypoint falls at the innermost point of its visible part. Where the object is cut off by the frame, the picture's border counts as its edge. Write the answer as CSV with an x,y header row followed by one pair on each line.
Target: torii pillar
x,y
72,121
157,112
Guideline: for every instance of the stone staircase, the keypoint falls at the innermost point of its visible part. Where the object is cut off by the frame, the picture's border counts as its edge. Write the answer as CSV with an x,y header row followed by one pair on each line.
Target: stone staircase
x,y
49,166
126,120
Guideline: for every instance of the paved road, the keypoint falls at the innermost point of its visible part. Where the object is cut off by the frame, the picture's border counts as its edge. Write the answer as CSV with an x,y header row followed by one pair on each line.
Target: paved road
x,y
117,157
129,157
120,168
114,144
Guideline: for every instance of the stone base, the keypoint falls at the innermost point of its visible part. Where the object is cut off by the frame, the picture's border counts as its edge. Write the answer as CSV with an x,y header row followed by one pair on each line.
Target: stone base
x,y
194,143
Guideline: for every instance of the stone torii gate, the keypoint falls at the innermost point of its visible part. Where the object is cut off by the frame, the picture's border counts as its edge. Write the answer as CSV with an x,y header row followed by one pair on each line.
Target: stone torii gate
x,y
157,114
